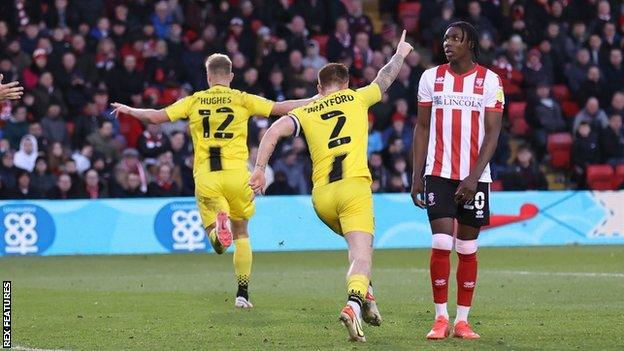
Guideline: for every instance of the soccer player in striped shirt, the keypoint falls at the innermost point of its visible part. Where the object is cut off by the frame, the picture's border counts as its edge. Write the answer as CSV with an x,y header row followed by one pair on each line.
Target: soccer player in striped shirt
x,y
460,106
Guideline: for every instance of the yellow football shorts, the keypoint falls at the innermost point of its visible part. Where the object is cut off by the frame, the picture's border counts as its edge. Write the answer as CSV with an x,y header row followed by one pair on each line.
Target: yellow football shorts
x,y
227,191
346,205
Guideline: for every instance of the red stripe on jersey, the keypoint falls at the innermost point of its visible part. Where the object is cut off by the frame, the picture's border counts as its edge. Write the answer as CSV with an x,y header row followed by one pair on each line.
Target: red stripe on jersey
x,y
474,138
456,143
439,143
479,80
438,85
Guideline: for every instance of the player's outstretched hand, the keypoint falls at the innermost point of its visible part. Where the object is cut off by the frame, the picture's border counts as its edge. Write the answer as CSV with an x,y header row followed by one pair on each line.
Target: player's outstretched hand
x,y
10,91
120,108
418,187
404,48
466,190
257,181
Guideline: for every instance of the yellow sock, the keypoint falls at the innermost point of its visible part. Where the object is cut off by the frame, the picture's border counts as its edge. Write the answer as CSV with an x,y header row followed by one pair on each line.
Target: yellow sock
x,y
242,265
357,285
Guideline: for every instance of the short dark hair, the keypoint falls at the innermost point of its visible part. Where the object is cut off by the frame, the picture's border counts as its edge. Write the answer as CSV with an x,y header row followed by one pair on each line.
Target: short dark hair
x,y
333,74
469,33
218,64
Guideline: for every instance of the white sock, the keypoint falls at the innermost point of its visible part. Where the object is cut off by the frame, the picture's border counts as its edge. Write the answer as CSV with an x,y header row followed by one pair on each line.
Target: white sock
x,y
440,309
356,307
462,314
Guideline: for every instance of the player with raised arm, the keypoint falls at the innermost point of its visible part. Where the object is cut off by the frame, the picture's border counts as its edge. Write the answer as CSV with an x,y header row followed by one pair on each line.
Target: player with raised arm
x,y
218,120
336,128
460,106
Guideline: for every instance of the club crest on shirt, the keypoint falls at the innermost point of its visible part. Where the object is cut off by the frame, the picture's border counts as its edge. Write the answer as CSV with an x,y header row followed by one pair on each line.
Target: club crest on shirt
x,y
479,82
431,198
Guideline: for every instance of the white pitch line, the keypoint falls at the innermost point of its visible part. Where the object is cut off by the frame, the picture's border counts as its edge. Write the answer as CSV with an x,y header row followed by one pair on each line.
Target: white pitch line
x,y
509,272
22,348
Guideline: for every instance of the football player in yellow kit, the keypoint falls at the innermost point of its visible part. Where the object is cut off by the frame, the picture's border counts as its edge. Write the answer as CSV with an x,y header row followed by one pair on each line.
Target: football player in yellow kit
x,y
218,121
336,128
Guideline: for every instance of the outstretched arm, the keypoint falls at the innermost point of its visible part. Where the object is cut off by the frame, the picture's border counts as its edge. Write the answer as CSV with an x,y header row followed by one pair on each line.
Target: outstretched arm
x,y
10,91
146,115
283,107
284,127
388,73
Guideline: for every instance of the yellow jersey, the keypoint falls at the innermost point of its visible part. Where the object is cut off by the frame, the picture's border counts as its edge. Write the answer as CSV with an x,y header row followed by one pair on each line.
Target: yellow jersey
x,y
336,129
218,120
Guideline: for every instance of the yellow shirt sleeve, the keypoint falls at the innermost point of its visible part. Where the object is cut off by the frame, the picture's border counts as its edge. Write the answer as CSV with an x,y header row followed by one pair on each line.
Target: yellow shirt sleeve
x,y
179,109
257,105
371,94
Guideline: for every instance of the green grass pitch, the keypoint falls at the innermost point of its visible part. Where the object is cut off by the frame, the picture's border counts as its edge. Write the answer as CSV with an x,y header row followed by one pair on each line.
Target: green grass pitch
x,y
554,298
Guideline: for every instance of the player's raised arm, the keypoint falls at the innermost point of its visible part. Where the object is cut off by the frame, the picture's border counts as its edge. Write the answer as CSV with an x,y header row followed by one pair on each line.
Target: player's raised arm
x,y
10,91
146,115
284,127
388,73
283,107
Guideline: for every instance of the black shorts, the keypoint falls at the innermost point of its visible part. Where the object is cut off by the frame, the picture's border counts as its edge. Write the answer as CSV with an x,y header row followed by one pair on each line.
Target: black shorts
x,y
440,199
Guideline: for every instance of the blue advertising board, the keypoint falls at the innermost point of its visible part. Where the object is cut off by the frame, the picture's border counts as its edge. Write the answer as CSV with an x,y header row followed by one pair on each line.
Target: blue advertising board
x,y
288,223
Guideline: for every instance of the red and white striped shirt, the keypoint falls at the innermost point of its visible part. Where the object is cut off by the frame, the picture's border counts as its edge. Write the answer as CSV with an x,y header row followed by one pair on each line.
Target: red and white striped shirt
x,y
458,105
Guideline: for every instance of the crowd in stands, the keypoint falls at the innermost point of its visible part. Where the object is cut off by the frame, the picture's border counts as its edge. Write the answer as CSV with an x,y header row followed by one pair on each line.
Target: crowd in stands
x,y
560,62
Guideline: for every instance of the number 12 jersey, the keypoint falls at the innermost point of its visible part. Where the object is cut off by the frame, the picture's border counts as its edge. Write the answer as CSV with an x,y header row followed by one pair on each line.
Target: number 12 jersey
x,y
218,120
336,129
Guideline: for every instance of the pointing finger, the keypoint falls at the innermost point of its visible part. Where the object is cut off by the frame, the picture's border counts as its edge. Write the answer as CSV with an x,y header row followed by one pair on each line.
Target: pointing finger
x,y
403,36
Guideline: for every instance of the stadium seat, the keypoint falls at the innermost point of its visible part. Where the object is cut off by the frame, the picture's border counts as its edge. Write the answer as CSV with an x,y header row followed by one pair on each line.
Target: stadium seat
x,y
618,180
520,127
600,177
560,147
570,108
152,92
409,13
561,92
516,110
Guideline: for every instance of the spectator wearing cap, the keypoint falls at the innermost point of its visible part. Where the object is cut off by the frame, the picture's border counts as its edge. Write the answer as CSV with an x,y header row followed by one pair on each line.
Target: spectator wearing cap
x,y
592,114
103,142
524,173
612,141
163,185
398,128
27,154
38,66
535,71
313,58
585,151
129,163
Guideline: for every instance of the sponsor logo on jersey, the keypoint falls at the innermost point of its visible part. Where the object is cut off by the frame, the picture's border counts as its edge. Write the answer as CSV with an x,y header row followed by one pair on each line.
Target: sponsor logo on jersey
x,y
28,230
455,100
178,227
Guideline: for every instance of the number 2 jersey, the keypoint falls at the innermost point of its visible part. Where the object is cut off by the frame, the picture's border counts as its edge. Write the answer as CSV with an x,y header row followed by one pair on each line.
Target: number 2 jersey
x,y
218,120
336,129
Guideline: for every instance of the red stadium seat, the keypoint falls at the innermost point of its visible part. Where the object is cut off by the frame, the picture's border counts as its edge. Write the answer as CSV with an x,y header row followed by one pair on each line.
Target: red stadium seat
x,y
560,147
561,92
516,110
520,127
600,177
71,127
618,180
409,13
570,108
